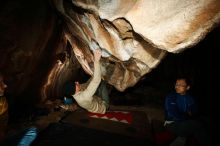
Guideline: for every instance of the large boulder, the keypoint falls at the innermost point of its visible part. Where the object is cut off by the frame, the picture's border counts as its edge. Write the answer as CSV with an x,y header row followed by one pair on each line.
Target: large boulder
x,y
44,44
134,35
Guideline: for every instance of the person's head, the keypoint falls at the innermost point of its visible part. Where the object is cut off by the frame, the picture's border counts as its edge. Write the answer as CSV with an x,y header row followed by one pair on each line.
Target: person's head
x,y
182,85
3,86
69,89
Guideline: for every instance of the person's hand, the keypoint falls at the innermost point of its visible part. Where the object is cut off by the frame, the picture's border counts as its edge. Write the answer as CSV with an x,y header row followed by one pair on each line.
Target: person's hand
x,y
77,87
97,54
71,107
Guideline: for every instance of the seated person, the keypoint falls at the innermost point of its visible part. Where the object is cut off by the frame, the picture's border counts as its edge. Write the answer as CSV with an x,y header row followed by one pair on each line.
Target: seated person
x,y
23,138
180,111
3,109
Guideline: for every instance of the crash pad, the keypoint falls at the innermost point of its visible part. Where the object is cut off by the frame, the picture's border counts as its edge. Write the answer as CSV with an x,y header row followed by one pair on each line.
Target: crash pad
x,y
137,124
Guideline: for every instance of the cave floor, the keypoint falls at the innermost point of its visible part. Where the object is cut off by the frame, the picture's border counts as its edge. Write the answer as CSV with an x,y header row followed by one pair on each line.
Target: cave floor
x,y
78,128
63,128
58,127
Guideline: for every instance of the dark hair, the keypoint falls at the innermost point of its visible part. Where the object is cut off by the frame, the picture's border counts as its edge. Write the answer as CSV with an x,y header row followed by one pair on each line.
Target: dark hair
x,y
186,78
69,89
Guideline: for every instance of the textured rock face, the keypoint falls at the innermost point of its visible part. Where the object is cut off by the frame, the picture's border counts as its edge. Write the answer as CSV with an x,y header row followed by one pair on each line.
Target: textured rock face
x,y
44,43
134,34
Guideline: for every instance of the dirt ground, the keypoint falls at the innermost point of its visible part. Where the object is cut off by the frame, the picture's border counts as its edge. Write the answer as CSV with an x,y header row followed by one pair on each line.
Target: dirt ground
x,y
59,127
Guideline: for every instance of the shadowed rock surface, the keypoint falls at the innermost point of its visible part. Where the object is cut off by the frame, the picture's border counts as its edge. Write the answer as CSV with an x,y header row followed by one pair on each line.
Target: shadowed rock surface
x,y
146,43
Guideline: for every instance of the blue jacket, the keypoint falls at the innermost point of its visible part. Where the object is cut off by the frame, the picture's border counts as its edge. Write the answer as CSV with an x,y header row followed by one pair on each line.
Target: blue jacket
x,y
177,107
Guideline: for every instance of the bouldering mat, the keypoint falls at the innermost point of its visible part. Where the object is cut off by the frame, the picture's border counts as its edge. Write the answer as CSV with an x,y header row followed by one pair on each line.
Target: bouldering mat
x,y
137,124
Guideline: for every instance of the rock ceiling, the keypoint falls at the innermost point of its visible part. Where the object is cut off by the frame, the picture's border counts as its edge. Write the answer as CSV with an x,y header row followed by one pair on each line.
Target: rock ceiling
x,y
135,35
43,43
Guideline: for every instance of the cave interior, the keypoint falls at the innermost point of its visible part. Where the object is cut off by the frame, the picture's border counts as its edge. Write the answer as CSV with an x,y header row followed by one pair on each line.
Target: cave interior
x,y
199,62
